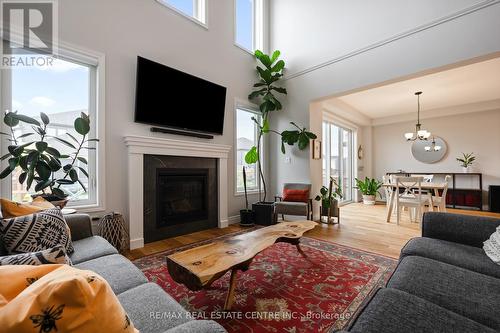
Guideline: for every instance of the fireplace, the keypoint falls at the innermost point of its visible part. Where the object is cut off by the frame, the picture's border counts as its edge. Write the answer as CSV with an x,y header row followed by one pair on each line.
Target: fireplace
x,y
180,196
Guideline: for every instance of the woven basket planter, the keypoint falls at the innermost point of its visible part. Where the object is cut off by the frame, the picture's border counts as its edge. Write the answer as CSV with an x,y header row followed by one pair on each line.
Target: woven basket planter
x,y
112,228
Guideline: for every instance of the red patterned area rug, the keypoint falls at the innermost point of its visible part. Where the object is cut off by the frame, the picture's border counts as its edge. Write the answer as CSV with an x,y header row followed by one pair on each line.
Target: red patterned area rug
x,y
283,291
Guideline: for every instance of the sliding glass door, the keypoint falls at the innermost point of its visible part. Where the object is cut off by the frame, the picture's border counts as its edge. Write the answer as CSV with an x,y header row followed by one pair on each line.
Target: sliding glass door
x,y
338,161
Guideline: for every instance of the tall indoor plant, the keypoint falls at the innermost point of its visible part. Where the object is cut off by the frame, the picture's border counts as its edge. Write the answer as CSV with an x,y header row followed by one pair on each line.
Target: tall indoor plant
x,y
328,196
41,164
265,93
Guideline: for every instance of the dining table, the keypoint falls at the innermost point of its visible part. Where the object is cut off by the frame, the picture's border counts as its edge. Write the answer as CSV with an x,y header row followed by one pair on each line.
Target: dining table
x,y
432,188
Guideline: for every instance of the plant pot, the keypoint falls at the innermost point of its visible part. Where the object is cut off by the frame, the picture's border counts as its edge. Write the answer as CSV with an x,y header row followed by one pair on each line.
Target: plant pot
x,y
264,213
466,169
369,200
246,218
330,213
53,199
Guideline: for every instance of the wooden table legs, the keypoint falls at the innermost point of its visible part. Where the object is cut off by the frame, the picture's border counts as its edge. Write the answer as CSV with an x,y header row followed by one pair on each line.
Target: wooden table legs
x,y
230,292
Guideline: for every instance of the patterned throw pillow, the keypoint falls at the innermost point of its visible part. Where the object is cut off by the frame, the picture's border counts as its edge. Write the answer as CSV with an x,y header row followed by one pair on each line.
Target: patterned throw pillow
x,y
39,231
56,255
492,246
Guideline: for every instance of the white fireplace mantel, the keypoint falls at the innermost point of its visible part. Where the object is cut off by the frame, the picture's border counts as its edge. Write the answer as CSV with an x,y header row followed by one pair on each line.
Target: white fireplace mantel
x,y
138,146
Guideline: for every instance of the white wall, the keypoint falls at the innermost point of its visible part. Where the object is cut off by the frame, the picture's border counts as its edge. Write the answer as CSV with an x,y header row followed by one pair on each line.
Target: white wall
x,y
123,29
473,132
342,31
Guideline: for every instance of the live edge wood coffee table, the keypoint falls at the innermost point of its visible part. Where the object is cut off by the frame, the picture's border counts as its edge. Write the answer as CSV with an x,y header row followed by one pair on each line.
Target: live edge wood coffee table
x,y
198,267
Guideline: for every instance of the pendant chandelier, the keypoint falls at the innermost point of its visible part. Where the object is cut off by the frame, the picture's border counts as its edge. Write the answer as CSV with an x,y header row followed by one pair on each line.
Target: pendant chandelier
x,y
433,146
419,134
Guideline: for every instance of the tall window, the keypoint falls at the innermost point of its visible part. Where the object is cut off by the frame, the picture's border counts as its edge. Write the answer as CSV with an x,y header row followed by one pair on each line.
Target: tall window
x,y
246,138
194,9
249,24
338,157
62,91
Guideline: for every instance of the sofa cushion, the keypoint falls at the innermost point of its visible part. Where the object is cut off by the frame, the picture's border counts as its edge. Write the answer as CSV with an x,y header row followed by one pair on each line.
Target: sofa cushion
x,y
198,326
91,248
151,309
469,257
394,311
120,273
470,294
291,208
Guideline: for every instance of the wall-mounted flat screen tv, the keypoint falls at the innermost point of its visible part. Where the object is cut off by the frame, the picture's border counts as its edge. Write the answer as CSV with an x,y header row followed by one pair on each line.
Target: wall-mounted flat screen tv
x,y
167,97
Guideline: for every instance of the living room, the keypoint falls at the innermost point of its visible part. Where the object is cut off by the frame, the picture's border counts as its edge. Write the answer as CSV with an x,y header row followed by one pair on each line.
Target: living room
x,y
154,180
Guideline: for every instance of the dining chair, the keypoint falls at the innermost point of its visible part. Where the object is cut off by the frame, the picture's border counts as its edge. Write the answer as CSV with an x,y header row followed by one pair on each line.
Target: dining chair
x,y
409,194
439,201
388,189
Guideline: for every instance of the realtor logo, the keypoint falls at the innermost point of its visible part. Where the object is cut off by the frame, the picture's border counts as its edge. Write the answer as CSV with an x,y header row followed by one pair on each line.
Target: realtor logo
x,y
28,31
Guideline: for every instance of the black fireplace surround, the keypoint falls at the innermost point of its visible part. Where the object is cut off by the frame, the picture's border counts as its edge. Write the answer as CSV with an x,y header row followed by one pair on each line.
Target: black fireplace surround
x,y
180,196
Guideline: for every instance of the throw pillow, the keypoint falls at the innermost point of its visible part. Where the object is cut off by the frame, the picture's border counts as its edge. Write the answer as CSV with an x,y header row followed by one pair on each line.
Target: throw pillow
x,y
36,232
12,209
58,298
492,246
56,255
295,195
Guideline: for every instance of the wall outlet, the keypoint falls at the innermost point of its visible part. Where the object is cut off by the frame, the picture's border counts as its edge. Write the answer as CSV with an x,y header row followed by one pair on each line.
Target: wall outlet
x,y
288,160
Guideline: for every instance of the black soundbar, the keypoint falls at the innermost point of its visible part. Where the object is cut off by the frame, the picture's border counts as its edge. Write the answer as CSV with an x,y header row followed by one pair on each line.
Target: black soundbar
x,y
178,132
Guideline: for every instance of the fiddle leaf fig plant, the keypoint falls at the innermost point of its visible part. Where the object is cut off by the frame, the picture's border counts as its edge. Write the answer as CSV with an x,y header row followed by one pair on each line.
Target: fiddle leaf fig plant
x,y
265,93
41,164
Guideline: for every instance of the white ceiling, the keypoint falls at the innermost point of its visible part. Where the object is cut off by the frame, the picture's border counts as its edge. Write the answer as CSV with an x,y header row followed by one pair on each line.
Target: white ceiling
x,y
478,82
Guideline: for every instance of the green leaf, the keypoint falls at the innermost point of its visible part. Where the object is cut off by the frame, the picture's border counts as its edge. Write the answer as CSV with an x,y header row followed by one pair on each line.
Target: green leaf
x,y
31,176
251,156
32,156
54,152
303,141
43,185
43,170
25,135
260,84
82,126
23,162
41,146
13,163
290,137
283,147
69,144
72,137
279,66
257,93
265,74
54,164
9,119
67,167
279,89
82,159
310,135
22,177
63,181
5,172
5,156
258,54
275,56
26,119
265,126
45,118
73,175
58,192
92,140
84,172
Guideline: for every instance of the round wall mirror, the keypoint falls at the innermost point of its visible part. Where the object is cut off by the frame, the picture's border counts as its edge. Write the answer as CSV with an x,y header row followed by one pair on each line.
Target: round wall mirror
x,y
430,151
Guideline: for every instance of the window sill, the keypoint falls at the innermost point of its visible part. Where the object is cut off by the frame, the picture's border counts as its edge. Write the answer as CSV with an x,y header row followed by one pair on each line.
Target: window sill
x,y
242,194
252,53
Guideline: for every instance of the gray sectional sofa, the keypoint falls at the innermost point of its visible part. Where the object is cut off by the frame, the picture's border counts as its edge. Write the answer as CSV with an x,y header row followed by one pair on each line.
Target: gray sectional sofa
x,y
150,308
444,282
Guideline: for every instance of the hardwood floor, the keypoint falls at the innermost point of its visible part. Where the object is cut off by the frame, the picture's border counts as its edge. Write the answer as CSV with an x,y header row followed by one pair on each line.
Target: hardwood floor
x,y
362,227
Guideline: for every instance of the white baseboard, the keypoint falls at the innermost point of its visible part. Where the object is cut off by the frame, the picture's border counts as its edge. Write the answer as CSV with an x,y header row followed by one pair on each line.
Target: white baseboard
x,y
234,219
136,243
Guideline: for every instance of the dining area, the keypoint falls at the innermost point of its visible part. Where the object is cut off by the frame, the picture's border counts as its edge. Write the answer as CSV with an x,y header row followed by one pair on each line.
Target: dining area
x,y
414,194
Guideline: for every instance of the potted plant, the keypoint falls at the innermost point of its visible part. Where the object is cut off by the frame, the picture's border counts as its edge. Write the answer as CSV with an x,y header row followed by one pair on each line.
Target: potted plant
x,y
270,72
466,160
329,202
246,215
42,165
369,189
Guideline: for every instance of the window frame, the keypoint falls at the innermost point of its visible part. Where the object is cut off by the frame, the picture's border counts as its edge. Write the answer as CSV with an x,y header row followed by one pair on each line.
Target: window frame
x,y
68,52
258,26
251,108
200,13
